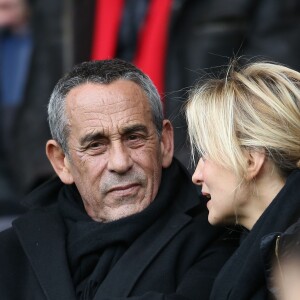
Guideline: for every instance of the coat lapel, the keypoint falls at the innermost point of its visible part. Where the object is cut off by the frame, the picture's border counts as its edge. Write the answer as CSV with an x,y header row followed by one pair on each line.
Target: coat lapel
x,y
139,256
42,238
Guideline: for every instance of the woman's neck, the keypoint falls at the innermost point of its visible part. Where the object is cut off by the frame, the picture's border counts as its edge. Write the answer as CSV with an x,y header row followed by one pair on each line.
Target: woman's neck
x,y
264,189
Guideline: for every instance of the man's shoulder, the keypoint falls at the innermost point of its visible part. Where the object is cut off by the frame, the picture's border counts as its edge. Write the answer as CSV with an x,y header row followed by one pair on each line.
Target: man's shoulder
x,y
18,242
7,238
10,250
32,219
44,195
16,270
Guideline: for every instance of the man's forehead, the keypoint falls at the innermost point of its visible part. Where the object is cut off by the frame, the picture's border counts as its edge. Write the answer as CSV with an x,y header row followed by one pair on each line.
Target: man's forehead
x,y
123,113
110,98
108,108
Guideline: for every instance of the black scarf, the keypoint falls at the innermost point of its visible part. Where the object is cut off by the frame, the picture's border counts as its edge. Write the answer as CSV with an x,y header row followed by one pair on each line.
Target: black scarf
x,y
93,247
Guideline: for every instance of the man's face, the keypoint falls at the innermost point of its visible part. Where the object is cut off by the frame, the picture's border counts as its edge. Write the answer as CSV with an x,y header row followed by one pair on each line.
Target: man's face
x,y
13,13
115,155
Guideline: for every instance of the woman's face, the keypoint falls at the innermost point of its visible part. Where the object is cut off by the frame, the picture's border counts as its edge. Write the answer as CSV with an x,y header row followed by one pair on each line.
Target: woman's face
x,y
286,280
222,187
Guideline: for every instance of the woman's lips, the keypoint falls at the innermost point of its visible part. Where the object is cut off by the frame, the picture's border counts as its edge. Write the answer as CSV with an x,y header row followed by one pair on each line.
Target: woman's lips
x,y
206,195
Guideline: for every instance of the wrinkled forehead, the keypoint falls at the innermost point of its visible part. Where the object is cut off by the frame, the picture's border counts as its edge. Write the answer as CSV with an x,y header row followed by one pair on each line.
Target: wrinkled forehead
x,y
107,107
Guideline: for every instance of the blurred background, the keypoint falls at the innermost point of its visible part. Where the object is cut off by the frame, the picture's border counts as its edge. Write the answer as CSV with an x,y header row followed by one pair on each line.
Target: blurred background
x,y
175,42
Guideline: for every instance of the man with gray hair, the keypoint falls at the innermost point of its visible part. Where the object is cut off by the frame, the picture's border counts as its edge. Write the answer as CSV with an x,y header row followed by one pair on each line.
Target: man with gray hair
x,y
122,220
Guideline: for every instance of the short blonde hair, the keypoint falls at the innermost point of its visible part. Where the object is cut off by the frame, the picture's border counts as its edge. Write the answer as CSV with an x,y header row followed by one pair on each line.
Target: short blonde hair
x,y
254,107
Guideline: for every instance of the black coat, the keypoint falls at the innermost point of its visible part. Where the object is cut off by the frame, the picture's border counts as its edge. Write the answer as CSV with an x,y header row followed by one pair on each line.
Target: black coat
x,y
243,276
178,257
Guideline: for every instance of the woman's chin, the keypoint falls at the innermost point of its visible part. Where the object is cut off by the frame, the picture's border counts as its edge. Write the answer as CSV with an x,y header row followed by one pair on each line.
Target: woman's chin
x,y
212,219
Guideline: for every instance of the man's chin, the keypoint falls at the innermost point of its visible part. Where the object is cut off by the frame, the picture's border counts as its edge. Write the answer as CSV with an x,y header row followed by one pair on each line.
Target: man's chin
x,y
127,207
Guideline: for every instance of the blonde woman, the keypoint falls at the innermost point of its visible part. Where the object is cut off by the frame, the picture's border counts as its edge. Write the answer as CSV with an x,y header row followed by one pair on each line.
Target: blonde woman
x,y
246,129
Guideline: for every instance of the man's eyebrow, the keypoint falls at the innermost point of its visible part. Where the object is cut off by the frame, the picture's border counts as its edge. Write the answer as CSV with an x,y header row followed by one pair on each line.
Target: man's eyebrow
x,y
89,137
134,128
93,136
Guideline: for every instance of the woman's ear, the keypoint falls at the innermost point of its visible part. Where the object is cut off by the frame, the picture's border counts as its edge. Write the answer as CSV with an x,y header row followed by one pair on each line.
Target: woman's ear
x,y
167,143
59,161
255,162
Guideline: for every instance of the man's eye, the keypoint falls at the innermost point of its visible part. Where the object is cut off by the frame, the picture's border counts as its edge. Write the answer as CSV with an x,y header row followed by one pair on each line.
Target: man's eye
x,y
96,148
133,137
95,145
135,140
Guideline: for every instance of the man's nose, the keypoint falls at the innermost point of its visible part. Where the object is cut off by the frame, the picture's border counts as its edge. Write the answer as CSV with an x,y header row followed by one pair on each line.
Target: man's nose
x,y
119,160
197,177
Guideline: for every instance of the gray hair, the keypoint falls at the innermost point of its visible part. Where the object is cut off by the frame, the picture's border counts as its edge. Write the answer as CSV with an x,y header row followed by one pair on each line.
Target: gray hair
x,y
102,72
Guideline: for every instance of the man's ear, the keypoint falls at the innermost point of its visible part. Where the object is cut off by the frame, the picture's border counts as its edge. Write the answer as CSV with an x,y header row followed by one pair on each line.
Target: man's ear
x,y
59,161
255,162
167,143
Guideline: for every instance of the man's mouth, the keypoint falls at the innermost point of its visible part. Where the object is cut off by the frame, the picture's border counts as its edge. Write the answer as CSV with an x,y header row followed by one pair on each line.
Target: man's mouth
x,y
124,189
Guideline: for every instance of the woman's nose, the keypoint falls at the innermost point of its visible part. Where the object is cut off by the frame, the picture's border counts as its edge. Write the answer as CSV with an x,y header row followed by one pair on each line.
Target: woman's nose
x,y
197,177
